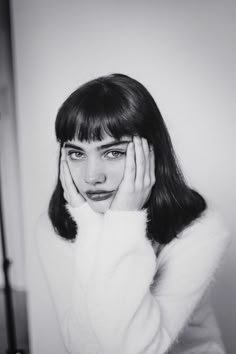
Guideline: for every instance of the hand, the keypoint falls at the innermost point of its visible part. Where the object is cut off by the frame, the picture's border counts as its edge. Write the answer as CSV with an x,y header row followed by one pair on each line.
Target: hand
x,y
71,194
138,179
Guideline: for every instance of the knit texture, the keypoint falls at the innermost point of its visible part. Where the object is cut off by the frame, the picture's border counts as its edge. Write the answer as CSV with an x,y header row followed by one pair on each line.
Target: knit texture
x,y
112,294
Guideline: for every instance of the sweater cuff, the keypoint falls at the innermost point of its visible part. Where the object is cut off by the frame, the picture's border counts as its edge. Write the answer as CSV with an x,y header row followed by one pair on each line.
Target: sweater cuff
x,y
87,220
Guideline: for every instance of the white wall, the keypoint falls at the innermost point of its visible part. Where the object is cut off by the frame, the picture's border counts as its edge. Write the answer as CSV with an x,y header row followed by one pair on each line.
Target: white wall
x,y
182,51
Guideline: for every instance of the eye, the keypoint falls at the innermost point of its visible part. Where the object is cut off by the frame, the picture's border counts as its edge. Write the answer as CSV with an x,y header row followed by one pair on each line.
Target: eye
x,y
75,155
115,154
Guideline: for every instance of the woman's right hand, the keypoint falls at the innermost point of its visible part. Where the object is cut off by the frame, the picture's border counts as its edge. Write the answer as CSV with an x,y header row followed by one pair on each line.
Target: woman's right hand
x,y
71,194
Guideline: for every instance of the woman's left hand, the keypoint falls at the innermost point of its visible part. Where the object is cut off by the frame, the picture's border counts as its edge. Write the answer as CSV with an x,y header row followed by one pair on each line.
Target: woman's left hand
x,y
138,179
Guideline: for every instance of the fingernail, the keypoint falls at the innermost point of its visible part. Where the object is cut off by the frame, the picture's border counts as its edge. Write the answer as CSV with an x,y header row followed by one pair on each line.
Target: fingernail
x,y
144,140
131,144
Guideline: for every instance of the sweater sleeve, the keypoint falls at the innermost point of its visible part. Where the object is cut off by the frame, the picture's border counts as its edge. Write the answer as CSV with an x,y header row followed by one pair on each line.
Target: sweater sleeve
x,y
126,315
79,335
188,266
66,279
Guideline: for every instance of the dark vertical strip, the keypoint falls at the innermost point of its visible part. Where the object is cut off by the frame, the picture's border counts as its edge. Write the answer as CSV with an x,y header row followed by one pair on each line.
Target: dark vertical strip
x,y
10,323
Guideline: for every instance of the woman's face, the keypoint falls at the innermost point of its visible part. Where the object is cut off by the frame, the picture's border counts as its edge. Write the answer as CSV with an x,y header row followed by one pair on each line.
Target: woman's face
x,y
97,168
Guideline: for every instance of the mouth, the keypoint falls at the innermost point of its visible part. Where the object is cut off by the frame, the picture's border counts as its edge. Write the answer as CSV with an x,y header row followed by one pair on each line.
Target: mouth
x,y
97,196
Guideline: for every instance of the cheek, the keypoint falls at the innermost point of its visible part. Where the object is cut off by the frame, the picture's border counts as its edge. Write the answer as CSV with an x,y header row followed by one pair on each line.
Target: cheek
x,y
76,174
116,173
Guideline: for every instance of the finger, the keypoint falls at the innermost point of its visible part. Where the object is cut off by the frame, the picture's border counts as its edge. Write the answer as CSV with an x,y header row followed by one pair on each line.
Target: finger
x,y
70,188
63,182
66,197
147,177
129,173
140,163
62,169
63,154
62,178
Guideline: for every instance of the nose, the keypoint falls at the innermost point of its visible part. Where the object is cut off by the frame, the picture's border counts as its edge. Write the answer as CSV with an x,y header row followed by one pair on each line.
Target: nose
x,y
95,173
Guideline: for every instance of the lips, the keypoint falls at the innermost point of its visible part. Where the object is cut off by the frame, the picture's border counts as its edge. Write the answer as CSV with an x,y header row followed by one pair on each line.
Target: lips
x,y
97,196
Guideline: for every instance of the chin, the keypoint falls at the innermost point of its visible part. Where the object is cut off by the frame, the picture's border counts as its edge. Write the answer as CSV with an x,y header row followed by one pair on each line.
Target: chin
x,y
99,206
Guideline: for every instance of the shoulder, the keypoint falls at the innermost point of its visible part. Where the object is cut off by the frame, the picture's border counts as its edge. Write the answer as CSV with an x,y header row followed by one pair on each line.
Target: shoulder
x,y
43,223
206,236
210,226
44,231
56,258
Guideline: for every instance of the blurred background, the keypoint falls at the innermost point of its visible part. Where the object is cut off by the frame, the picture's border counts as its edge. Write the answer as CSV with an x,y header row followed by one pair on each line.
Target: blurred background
x,y
182,51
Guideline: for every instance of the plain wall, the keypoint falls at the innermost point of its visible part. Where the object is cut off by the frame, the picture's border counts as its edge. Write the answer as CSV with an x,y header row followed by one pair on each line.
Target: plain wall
x,y
182,51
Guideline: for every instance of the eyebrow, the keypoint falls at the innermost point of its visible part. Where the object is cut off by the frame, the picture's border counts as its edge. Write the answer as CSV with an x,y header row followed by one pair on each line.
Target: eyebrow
x,y
101,147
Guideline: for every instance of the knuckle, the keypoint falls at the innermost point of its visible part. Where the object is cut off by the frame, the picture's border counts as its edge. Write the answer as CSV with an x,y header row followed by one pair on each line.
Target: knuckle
x,y
153,181
147,183
131,171
139,187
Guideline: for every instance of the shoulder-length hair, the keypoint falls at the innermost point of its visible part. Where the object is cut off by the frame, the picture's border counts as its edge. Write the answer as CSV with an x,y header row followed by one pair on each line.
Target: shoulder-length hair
x,y
121,106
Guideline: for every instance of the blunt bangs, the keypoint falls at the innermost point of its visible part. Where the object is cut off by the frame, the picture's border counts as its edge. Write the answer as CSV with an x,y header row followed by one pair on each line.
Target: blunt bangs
x,y
90,112
93,127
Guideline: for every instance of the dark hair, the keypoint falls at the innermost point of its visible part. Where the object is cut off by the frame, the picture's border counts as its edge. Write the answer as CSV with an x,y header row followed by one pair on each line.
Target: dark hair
x,y
121,106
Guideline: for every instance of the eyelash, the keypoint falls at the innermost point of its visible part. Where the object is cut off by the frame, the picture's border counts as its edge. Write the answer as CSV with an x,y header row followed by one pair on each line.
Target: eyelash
x,y
73,153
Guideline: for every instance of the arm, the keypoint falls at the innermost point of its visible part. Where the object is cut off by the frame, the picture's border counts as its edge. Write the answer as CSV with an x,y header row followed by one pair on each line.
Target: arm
x,y
201,334
76,327
125,315
65,280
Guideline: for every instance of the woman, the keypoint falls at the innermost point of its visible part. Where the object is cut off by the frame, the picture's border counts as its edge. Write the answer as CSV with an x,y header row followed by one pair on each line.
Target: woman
x,y
134,248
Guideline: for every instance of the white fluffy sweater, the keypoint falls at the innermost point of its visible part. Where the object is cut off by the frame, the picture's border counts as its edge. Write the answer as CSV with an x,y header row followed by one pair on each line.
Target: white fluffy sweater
x,y
113,295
